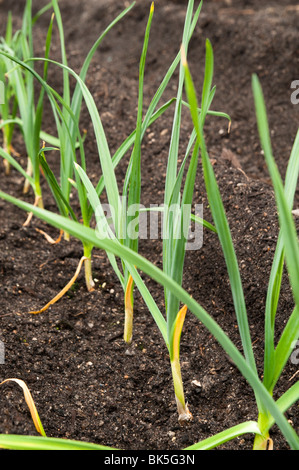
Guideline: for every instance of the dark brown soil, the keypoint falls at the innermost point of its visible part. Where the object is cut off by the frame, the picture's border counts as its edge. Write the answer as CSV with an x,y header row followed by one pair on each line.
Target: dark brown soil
x,y
87,385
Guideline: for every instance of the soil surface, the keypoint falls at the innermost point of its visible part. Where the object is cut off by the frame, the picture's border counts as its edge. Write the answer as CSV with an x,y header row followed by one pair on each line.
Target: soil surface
x,y
86,383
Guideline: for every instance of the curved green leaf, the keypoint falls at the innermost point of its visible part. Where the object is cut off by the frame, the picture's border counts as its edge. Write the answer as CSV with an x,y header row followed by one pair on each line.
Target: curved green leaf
x,y
249,427
86,234
15,442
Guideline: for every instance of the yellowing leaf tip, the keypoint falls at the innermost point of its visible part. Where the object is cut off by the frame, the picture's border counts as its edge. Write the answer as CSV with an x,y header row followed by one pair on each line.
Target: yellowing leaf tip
x,y
183,56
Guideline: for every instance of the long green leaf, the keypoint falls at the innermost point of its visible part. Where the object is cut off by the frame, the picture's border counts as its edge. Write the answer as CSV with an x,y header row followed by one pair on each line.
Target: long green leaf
x,y
287,227
249,427
217,208
98,211
286,400
62,203
16,165
171,193
88,235
273,292
287,224
283,349
76,103
133,191
15,442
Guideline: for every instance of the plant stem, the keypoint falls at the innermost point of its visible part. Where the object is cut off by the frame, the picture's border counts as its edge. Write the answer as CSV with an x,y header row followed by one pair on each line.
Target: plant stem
x,y
7,167
263,441
88,270
184,413
128,329
6,148
38,195
29,172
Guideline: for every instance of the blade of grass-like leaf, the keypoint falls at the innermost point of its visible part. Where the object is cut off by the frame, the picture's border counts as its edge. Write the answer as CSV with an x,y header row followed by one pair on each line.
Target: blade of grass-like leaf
x,y
249,427
27,26
287,224
16,165
172,162
178,254
217,208
203,222
8,33
283,349
129,141
286,400
77,98
15,442
152,306
133,191
273,291
11,121
88,235
37,124
193,217
104,151
41,12
61,202
212,113
66,81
